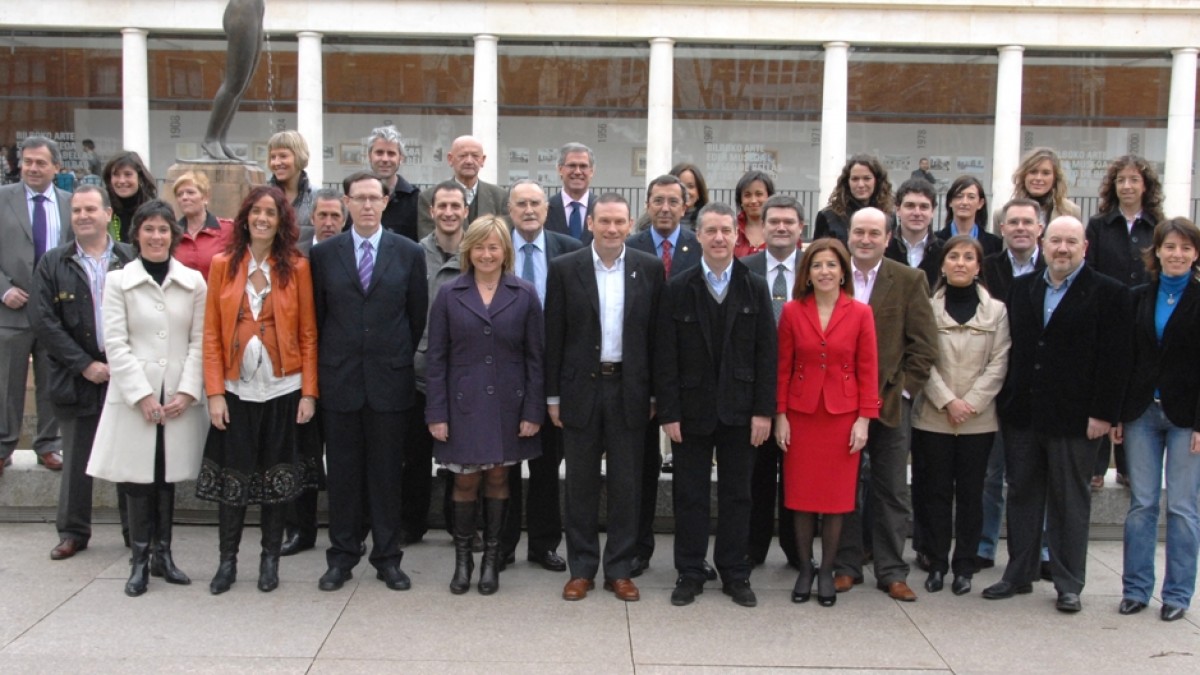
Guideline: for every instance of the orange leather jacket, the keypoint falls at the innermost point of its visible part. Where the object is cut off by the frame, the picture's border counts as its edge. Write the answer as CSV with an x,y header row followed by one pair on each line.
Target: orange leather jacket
x,y
295,325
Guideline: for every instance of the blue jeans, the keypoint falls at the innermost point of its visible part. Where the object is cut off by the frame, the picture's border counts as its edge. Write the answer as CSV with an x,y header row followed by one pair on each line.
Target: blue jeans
x,y
1149,440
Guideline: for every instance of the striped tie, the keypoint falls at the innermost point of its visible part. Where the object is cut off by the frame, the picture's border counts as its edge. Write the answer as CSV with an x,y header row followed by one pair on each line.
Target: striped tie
x,y
366,265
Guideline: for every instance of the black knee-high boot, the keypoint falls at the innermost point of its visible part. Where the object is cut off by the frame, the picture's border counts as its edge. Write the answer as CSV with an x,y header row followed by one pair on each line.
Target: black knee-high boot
x,y
464,531
230,520
272,540
162,564
138,500
489,575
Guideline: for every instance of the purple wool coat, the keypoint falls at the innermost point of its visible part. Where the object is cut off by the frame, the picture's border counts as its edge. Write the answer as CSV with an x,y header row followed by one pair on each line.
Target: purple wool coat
x,y
484,371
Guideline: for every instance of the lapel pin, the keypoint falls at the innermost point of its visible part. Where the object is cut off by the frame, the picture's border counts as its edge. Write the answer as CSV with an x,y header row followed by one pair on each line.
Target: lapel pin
x,y
685,248
633,274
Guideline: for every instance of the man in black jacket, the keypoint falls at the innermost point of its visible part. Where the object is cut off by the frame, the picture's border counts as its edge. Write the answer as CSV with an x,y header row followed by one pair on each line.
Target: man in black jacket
x,y
67,317
1067,373
715,386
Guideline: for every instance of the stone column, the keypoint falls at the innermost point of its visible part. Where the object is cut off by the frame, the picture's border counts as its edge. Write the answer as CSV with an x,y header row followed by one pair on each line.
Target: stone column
x,y
660,115
1006,140
485,104
1181,131
310,103
135,133
834,101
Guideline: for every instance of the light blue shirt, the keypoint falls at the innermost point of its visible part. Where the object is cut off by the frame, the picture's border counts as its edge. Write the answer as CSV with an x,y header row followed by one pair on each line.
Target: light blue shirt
x,y
97,273
718,283
50,206
1055,295
358,240
538,259
659,239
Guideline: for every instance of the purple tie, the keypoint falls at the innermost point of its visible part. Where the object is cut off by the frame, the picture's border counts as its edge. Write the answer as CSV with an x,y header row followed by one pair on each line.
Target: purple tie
x,y
39,227
366,265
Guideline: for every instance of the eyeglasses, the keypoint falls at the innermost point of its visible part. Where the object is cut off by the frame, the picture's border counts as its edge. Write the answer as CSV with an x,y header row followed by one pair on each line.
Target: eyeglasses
x,y
674,202
362,200
577,167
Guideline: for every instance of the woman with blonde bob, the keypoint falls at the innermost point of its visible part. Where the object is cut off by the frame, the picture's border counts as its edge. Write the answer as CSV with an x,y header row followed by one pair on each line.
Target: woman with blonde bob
x,y
204,235
484,402
287,158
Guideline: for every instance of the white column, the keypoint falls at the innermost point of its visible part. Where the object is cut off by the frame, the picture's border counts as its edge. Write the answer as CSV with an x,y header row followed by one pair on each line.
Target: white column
x,y
310,103
485,104
1006,141
834,101
1181,121
660,116
135,93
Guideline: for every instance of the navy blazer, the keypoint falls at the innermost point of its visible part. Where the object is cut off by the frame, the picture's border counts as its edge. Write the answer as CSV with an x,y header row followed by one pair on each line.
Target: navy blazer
x,y
699,383
366,339
1115,251
998,273
573,334
684,256
484,371
556,216
1172,365
1074,367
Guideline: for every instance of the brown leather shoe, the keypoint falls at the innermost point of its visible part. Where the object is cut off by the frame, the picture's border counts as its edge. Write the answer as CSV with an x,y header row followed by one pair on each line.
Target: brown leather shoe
x,y
623,589
577,588
844,582
51,460
898,590
67,548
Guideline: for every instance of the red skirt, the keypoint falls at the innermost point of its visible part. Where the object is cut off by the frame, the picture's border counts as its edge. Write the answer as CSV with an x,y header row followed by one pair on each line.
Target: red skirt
x,y
820,475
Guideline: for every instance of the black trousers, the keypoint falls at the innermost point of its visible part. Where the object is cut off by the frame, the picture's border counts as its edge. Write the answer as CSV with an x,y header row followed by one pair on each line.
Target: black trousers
x,y
766,493
948,474
651,470
1048,478
365,456
543,513
693,460
416,483
619,440
74,520
301,514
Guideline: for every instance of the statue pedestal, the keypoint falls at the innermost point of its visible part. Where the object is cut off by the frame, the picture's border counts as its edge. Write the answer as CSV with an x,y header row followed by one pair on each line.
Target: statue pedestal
x,y
230,183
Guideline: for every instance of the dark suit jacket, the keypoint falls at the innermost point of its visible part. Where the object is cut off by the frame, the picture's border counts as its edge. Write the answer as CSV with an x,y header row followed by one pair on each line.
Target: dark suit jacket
x,y
559,244
684,256
690,385
573,334
1171,366
556,216
905,332
998,272
489,200
991,243
484,371
64,320
366,339
1073,368
16,247
931,264
1117,252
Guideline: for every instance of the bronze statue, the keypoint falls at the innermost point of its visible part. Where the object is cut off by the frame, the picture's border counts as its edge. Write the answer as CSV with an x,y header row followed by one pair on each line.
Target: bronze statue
x,y
243,24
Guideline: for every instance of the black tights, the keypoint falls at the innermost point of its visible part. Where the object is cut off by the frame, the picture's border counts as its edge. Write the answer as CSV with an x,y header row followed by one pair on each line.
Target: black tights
x,y
466,485
831,532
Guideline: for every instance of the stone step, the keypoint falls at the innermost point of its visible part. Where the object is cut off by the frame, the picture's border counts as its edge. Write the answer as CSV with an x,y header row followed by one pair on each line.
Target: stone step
x,y
29,493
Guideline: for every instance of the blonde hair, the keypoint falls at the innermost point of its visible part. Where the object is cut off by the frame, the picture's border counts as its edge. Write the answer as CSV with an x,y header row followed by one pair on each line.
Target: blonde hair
x,y
196,178
477,233
291,140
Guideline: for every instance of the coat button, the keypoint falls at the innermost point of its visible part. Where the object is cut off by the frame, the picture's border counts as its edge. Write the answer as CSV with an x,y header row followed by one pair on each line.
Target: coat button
x,y
520,392
487,330
487,360
490,390
458,396
162,362
159,306
1037,366
162,334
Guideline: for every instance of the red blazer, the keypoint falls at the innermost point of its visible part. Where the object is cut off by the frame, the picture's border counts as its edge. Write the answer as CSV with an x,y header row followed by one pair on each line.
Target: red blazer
x,y
838,365
295,324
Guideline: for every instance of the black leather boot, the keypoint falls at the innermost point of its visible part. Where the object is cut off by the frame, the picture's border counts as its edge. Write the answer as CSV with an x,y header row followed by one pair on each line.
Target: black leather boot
x,y
272,540
161,562
489,575
138,502
464,563
230,520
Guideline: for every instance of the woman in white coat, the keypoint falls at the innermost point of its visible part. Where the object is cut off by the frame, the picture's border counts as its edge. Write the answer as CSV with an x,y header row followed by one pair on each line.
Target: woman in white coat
x,y
153,425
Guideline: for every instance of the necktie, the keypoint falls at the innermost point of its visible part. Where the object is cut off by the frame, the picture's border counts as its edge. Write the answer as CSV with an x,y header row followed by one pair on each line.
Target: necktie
x,y
576,223
778,292
39,227
366,265
527,267
666,258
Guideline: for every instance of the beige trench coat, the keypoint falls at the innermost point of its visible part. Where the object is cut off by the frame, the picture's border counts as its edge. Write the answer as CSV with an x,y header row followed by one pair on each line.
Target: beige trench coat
x,y
154,340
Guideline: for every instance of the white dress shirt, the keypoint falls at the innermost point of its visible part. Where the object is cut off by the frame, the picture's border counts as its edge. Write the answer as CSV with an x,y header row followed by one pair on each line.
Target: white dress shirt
x,y
610,283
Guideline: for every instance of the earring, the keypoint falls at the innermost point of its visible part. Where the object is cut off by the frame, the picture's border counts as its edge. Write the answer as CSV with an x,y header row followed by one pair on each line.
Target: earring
x,y
808,283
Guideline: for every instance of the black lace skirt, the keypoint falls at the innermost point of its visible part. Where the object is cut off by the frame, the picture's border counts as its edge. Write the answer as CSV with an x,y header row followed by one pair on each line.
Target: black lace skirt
x,y
259,458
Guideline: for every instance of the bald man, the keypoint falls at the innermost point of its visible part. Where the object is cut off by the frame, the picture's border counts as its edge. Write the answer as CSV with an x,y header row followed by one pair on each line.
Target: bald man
x,y
1067,372
466,159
